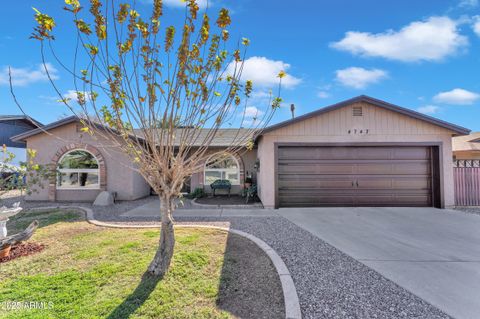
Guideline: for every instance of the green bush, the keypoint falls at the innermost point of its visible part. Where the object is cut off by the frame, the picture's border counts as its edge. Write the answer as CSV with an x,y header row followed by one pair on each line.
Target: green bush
x,y
197,193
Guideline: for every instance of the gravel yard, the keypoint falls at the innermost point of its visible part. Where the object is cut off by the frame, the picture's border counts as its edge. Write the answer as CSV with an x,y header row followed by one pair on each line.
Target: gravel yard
x,y
329,283
470,210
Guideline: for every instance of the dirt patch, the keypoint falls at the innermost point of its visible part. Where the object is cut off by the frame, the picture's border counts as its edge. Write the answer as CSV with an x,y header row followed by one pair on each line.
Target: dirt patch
x,y
250,286
23,249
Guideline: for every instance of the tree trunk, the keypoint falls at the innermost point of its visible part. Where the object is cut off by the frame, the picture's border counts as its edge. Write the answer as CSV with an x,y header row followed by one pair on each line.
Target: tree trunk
x,y
161,262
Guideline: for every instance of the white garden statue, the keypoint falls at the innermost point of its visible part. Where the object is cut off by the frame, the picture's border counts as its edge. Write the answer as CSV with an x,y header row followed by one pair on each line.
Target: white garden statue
x,y
5,213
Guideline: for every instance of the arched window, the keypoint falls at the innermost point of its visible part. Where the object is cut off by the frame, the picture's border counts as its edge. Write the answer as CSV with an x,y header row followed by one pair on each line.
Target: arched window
x,y
222,167
78,169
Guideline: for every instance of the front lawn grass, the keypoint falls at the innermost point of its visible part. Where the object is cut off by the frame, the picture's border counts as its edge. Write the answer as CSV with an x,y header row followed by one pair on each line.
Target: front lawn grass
x,y
87,271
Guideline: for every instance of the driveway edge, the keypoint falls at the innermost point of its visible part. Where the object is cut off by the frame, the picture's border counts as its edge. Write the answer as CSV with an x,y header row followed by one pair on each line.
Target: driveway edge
x,y
290,296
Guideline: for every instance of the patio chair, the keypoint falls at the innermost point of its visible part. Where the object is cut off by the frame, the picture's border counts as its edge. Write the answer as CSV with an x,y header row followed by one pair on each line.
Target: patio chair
x,y
221,184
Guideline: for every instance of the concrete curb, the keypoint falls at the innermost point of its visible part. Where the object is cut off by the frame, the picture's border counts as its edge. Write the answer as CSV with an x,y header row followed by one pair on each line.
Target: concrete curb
x,y
253,206
290,296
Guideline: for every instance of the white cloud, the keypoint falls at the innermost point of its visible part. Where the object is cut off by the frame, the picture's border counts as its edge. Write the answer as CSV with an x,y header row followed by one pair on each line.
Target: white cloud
x,y
260,94
428,109
70,95
253,111
251,116
26,76
73,95
359,78
323,94
429,40
468,3
264,72
476,25
457,96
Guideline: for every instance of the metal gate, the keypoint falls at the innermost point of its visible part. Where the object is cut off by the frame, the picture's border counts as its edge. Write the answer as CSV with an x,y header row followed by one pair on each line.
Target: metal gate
x,y
467,182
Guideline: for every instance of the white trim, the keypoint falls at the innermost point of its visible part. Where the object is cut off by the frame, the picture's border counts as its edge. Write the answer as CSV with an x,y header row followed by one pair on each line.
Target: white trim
x,y
222,170
78,171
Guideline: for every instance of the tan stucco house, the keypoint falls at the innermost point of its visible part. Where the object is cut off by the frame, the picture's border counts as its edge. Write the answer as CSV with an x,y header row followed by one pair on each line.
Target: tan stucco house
x,y
360,152
467,147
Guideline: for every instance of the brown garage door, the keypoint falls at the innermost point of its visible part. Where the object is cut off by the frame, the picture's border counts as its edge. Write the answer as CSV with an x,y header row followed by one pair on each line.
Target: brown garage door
x,y
354,176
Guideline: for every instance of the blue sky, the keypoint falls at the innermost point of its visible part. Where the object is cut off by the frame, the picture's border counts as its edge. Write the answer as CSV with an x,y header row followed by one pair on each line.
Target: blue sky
x,y
424,55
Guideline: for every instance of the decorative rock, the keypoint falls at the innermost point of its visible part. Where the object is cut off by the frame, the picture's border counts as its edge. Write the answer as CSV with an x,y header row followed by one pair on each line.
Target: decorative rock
x,y
104,199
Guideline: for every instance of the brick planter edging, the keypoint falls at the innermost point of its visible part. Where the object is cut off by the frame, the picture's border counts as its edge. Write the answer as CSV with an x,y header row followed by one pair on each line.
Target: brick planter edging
x,y
290,296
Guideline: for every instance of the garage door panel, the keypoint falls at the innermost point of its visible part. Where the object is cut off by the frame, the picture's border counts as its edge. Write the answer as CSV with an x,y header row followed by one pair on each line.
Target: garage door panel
x,y
316,192
415,183
373,153
411,153
351,192
315,183
305,201
393,200
309,169
356,167
400,168
412,167
316,153
354,176
378,200
308,183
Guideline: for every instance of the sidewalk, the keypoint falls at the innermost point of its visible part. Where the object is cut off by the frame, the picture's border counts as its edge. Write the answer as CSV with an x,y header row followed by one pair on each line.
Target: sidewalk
x,y
151,209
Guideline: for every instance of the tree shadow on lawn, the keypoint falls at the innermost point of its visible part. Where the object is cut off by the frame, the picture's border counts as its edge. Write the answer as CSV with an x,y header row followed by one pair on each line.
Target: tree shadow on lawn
x,y
136,299
249,285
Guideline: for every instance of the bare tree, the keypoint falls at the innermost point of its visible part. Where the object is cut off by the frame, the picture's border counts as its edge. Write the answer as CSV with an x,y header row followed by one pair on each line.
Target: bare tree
x,y
168,90
25,176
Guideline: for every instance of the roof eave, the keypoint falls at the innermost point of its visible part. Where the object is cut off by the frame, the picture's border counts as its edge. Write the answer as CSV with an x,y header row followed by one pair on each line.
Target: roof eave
x,y
21,117
21,137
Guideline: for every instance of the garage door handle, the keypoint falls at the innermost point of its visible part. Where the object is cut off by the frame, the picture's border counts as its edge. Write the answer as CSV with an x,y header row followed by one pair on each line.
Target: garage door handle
x,y
356,183
353,183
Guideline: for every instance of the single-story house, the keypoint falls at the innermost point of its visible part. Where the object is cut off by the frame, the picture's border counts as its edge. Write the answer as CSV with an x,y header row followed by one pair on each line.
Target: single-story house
x,y
359,152
466,147
11,125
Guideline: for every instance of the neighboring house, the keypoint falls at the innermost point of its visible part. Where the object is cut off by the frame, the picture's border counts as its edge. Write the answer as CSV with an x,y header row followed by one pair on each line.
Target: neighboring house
x,y
360,152
466,147
11,125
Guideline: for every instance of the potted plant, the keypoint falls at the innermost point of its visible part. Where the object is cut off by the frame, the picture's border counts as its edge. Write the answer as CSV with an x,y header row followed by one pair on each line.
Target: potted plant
x,y
248,181
5,251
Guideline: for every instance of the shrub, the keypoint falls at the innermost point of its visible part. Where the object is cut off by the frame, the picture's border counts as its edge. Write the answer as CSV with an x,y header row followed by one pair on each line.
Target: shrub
x,y
197,193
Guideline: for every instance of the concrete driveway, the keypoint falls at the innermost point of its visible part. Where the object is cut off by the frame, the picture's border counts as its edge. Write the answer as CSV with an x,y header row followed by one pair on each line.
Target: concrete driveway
x,y
433,253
